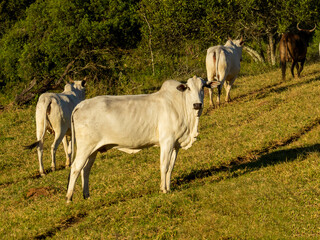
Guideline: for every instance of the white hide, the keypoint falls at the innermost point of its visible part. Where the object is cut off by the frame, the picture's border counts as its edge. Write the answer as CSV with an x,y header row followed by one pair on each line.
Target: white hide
x,y
166,118
223,64
53,113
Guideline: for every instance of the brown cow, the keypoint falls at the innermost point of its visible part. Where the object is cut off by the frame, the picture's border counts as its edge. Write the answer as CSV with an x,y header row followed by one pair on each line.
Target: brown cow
x,y
293,47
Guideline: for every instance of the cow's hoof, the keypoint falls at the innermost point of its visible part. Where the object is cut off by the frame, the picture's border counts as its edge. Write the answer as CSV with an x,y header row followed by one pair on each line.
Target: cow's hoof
x,y
68,200
53,169
42,174
86,196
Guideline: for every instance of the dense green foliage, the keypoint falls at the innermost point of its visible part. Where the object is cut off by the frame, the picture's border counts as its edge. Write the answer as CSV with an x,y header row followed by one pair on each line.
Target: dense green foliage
x,y
121,43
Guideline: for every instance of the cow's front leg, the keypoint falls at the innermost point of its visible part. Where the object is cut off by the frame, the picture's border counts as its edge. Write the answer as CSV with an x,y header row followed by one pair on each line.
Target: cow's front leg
x,y
172,158
165,157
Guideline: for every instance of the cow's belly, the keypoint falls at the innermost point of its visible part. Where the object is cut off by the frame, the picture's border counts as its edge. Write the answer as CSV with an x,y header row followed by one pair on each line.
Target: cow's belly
x,y
124,135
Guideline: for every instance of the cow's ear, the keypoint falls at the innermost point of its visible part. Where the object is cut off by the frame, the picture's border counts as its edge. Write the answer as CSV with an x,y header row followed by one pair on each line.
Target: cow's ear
x,y
83,83
212,84
182,87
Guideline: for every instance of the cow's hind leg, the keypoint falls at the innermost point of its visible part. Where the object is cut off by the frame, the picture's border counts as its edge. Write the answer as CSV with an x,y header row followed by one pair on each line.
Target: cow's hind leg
x,y
210,78
85,175
301,67
67,150
227,86
283,69
57,140
40,157
211,96
40,131
222,82
292,68
78,164
219,88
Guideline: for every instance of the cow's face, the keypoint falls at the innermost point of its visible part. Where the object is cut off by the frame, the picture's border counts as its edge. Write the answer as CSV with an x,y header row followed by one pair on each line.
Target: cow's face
x,y
194,91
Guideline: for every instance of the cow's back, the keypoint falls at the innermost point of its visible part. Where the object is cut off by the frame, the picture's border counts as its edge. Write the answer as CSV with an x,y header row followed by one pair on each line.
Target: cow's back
x,y
126,121
211,61
292,46
134,121
60,108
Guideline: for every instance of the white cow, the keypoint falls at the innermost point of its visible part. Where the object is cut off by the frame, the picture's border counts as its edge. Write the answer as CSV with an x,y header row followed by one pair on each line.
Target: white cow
x,y
167,118
223,64
53,113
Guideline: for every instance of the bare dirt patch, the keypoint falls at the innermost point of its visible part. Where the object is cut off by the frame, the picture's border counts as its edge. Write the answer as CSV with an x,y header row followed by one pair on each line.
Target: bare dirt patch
x,y
38,192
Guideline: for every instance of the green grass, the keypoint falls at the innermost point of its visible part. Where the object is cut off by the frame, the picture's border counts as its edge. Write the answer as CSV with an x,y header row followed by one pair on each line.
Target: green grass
x,y
254,173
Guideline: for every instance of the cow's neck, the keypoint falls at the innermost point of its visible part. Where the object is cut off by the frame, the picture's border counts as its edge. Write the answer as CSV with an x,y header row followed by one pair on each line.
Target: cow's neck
x,y
191,122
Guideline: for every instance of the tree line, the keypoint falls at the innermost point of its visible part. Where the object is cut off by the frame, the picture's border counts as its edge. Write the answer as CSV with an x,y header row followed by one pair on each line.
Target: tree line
x,y
43,41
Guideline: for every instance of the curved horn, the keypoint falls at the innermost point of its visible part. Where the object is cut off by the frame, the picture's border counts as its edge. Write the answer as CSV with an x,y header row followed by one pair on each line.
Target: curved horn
x,y
298,27
311,30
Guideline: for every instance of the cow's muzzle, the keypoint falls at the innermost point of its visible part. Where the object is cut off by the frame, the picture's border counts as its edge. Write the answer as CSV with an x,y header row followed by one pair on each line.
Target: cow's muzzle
x,y
197,106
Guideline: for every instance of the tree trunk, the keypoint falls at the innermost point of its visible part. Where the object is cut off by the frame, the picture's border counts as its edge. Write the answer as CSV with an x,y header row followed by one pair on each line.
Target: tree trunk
x,y
254,54
272,49
150,43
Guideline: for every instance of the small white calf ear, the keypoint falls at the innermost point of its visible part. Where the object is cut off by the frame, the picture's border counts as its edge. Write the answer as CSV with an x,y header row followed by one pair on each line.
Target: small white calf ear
x,y
182,87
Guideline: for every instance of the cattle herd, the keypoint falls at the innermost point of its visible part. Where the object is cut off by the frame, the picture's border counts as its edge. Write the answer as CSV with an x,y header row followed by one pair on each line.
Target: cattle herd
x,y
167,118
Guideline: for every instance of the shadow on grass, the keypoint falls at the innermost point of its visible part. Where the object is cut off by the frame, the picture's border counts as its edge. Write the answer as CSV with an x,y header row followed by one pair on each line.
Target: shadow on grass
x,y
277,87
247,164
233,168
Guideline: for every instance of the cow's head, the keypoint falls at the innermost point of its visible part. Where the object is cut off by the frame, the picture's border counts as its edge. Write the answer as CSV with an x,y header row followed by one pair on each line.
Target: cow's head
x,y
306,30
79,88
194,92
306,34
237,44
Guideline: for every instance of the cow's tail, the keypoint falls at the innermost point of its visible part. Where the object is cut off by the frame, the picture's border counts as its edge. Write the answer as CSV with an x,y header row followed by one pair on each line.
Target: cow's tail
x,y
46,106
72,135
216,58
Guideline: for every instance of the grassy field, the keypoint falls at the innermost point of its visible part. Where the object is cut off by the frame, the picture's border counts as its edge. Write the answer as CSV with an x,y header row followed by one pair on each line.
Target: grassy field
x,y
254,173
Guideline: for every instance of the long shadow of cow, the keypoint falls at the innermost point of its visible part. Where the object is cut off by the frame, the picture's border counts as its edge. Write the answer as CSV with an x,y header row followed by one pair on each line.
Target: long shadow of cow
x,y
236,168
